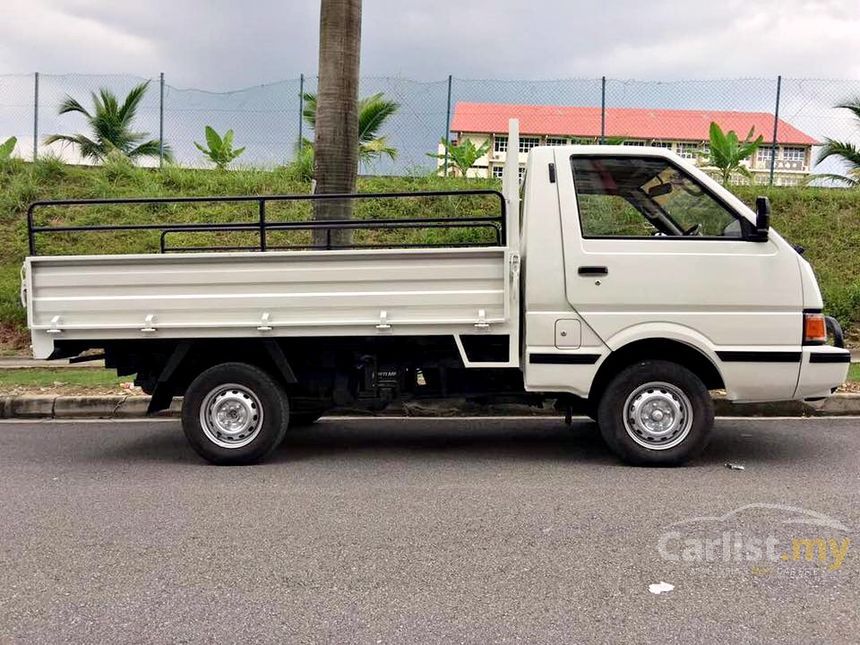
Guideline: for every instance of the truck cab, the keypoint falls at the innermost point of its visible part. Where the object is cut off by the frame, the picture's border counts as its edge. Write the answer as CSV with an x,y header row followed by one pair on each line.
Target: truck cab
x,y
623,283
632,256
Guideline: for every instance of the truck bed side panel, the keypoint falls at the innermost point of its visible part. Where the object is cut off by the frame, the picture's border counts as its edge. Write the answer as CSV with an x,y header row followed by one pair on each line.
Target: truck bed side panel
x,y
298,293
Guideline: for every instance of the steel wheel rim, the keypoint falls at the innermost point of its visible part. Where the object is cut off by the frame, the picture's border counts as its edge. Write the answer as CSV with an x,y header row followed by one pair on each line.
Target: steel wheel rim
x,y
231,416
658,415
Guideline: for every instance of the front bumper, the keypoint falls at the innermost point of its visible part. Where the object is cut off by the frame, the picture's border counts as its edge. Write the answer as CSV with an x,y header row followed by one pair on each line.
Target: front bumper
x,y
823,368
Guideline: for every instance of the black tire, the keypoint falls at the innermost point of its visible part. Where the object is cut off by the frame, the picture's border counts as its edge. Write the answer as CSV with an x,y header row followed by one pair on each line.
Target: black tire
x,y
304,419
673,392
245,391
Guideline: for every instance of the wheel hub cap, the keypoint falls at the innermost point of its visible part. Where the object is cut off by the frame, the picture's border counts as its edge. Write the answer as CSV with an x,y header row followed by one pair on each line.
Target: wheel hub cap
x,y
231,416
658,416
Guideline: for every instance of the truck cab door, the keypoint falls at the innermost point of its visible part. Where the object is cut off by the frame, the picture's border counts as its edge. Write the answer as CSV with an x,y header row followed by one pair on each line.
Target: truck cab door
x,y
653,248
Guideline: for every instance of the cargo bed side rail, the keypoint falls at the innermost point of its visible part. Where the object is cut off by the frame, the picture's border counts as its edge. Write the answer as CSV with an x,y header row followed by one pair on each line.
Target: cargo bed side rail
x,y
263,227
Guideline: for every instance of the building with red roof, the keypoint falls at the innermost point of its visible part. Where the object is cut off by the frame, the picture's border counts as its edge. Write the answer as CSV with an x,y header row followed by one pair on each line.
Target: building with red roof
x,y
685,132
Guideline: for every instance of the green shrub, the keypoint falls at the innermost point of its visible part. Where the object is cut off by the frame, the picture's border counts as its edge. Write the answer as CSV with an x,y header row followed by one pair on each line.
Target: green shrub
x,y
219,149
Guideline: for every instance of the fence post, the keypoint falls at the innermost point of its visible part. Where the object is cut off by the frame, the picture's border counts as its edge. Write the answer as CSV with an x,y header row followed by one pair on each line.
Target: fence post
x,y
603,109
448,124
161,121
36,117
301,114
775,129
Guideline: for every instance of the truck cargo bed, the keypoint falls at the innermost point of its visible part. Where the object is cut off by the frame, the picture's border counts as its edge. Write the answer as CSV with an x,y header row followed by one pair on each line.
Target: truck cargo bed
x,y
316,293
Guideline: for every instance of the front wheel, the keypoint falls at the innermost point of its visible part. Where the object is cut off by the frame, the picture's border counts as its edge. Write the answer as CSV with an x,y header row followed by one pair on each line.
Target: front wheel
x,y
656,413
234,413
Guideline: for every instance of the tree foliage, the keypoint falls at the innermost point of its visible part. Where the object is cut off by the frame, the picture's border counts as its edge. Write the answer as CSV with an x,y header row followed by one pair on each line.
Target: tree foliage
x,y
461,156
727,152
373,112
7,148
848,152
111,125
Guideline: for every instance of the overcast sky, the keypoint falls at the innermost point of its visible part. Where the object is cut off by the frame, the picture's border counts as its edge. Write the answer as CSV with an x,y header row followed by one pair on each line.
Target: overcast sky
x,y
223,44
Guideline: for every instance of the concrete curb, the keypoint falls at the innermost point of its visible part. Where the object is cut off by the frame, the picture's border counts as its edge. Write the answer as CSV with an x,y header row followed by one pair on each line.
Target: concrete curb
x,y
132,407
80,407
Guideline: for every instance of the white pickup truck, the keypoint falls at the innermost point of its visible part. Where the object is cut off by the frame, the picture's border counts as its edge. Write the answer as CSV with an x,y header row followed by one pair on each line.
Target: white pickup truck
x,y
623,283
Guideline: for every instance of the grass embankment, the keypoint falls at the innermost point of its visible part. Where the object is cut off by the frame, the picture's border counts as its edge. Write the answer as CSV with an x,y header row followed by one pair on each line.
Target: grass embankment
x,y
85,377
825,222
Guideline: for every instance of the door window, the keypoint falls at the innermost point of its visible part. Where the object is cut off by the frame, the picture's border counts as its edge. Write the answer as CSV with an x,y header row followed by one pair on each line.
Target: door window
x,y
629,196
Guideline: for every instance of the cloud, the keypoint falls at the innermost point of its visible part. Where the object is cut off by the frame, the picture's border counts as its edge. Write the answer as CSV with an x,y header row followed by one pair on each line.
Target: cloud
x,y
224,44
795,38
43,35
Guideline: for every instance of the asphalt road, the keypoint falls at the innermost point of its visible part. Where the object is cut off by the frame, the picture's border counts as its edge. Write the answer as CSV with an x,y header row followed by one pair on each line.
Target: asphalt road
x,y
439,530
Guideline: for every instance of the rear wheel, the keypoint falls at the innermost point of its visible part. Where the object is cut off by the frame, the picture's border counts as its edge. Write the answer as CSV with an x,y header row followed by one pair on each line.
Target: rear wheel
x,y
656,413
234,413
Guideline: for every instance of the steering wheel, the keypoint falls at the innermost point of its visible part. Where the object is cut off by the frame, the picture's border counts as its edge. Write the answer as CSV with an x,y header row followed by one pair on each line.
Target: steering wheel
x,y
694,230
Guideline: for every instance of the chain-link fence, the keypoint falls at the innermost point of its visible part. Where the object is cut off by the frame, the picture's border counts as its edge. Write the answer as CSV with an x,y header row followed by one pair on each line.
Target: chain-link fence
x,y
267,120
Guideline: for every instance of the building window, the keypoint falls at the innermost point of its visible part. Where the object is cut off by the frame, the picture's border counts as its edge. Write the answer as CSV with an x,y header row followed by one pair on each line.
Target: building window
x,y
500,144
556,141
581,141
662,144
498,171
794,153
521,173
633,142
527,143
763,155
688,150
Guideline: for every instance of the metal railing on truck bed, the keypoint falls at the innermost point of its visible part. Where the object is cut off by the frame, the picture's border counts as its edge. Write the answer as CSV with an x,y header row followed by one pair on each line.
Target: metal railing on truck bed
x,y
262,227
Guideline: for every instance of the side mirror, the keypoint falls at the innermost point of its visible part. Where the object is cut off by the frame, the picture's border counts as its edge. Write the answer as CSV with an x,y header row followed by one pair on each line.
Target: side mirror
x,y
762,219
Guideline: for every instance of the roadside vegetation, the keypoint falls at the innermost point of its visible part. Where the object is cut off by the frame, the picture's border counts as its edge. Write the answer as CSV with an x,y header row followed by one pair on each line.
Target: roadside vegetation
x,y
7,148
84,378
111,124
824,221
373,112
218,149
459,157
845,151
726,152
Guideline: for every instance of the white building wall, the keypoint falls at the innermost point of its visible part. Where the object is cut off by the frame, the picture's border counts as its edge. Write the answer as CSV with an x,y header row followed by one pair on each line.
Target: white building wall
x,y
786,173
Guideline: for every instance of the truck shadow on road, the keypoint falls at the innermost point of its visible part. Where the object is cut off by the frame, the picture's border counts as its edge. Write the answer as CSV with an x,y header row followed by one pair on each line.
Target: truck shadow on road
x,y
522,439
463,440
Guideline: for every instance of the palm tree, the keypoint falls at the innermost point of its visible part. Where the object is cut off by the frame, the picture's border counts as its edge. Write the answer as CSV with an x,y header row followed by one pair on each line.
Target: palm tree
x,y
336,115
111,125
848,152
373,112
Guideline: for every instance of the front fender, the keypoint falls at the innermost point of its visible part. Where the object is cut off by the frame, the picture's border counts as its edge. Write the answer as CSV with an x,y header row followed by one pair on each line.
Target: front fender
x,y
667,331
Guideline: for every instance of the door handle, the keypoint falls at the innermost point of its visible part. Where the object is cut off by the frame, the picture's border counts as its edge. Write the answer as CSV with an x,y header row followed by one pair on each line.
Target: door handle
x,y
592,272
